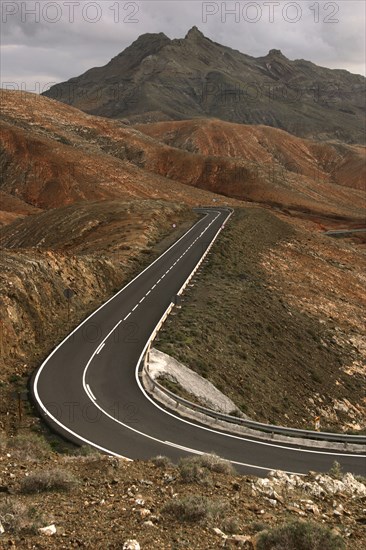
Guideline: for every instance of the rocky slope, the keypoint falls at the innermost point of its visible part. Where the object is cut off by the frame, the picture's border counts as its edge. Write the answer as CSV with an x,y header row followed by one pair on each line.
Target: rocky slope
x,y
52,155
68,189
97,501
161,79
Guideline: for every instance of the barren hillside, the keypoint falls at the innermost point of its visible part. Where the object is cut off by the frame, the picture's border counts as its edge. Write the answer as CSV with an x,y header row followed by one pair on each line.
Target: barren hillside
x,y
270,166
53,154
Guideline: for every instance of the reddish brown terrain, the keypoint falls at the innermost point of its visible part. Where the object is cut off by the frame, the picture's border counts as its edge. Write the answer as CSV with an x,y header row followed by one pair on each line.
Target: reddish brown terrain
x,y
53,155
270,166
84,198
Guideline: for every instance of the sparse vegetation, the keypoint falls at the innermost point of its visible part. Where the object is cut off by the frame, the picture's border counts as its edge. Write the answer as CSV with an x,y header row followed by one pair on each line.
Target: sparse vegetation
x,y
336,470
269,344
195,508
161,461
258,526
28,446
86,450
300,535
215,463
231,525
125,495
192,471
3,442
48,480
17,517
197,469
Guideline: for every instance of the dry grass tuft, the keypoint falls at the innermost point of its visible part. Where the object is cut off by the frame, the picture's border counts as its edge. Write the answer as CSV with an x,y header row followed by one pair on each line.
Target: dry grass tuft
x,y
48,480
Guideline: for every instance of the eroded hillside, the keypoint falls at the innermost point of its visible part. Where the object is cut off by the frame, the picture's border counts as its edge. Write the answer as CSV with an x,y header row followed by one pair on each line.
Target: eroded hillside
x,y
270,166
53,154
83,197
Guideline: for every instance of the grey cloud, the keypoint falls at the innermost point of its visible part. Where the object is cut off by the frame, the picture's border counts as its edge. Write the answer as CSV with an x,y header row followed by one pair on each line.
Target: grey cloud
x,y
45,51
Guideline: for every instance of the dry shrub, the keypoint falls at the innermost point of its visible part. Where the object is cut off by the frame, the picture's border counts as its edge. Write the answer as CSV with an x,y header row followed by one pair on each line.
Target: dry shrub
x,y
215,463
162,461
195,508
28,446
300,535
231,525
16,517
192,472
87,450
3,442
197,469
48,480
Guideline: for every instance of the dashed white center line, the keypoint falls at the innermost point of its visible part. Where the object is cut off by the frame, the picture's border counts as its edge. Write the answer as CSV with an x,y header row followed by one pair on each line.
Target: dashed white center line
x,y
162,277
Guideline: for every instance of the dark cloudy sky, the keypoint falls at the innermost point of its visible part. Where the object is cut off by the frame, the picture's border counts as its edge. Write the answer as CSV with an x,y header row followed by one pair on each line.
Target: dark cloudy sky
x,y
48,41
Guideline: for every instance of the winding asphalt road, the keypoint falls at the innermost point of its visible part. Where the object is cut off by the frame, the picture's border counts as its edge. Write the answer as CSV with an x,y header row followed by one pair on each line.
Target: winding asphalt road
x,y
89,390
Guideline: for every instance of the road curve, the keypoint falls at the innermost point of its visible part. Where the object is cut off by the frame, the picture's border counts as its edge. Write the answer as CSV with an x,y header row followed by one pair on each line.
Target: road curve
x,y
89,391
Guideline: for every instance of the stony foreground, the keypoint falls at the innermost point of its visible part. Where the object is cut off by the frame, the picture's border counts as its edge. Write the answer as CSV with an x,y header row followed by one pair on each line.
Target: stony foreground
x,y
77,499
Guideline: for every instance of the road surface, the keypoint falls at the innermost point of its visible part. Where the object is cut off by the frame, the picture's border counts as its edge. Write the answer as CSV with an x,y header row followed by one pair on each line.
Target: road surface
x,y
89,390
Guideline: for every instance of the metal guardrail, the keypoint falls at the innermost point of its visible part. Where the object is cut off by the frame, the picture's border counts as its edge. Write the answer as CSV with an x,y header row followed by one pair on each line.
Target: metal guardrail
x,y
259,426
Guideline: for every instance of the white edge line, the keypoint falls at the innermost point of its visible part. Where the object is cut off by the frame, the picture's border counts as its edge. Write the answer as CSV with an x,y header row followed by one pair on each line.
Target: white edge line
x,y
216,431
90,392
168,443
100,347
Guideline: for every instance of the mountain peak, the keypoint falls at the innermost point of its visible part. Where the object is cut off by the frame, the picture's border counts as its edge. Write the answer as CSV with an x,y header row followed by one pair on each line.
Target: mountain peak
x,y
152,38
194,33
276,53
145,45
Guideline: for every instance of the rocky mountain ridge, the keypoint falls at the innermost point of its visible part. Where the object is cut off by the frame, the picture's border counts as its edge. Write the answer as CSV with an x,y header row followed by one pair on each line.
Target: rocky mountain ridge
x,y
157,79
